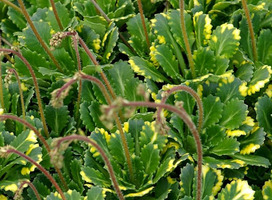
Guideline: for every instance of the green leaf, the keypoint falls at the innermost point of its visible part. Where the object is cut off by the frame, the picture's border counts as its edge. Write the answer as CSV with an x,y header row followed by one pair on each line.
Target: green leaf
x,y
109,42
225,40
253,141
17,18
95,111
264,109
150,158
229,90
213,135
91,175
246,41
65,60
123,81
186,179
234,113
204,60
202,26
264,44
237,189
267,190
167,61
95,193
96,23
144,68
175,26
245,72
253,160
213,109
85,116
136,30
228,146
56,118
260,77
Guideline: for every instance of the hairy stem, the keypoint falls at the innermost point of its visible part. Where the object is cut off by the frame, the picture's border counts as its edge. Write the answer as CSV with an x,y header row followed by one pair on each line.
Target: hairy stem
x,y
250,27
20,91
104,156
193,94
48,51
56,14
109,21
139,2
35,85
41,138
46,173
30,185
12,5
185,37
1,83
186,118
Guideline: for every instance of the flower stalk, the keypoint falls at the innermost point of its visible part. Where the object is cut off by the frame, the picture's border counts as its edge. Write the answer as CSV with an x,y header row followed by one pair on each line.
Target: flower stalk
x,y
189,90
20,91
185,37
182,114
41,138
45,47
102,153
251,31
19,191
12,5
8,150
1,83
56,14
37,90
139,2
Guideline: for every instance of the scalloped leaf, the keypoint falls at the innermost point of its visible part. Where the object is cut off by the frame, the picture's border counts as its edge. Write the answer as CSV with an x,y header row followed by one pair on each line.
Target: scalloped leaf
x,y
202,26
213,135
245,72
237,189
144,68
213,109
150,157
136,30
204,60
267,190
260,77
108,43
264,44
95,193
91,175
253,141
234,114
229,90
85,116
17,18
175,26
167,61
264,109
228,146
186,179
65,60
225,40
253,160
56,118
95,112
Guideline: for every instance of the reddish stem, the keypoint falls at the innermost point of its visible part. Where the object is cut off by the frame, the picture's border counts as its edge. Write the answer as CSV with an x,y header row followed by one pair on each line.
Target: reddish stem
x,y
104,156
56,14
32,187
46,173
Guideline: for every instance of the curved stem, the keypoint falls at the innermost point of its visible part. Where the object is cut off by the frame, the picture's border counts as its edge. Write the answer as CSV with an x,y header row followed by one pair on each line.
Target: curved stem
x,y
250,27
104,156
45,47
41,138
1,83
185,38
35,85
20,91
12,5
56,14
193,94
139,2
46,173
32,187
186,118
